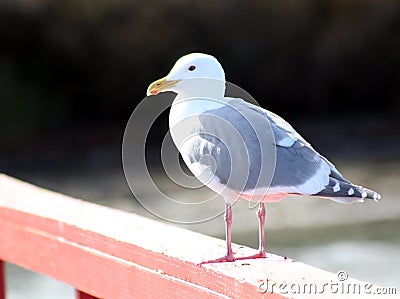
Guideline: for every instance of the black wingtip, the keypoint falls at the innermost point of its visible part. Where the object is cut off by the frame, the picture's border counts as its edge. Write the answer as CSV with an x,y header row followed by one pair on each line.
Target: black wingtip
x,y
346,192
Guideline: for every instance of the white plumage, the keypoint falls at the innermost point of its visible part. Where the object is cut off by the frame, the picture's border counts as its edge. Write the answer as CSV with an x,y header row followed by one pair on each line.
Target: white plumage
x,y
251,152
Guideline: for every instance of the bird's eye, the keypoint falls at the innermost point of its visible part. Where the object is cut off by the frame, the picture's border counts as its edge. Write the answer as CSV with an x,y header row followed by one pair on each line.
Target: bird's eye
x,y
191,68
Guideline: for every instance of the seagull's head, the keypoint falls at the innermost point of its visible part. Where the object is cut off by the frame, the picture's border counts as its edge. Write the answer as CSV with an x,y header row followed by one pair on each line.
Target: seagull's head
x,y
195,74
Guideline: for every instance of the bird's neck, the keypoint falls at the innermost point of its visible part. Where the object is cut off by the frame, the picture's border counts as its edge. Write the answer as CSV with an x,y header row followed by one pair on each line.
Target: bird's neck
x,y
200,88
194,96
184,107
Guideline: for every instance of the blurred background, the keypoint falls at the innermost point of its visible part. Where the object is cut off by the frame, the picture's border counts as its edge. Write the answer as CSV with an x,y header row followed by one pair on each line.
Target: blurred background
x,y
72,72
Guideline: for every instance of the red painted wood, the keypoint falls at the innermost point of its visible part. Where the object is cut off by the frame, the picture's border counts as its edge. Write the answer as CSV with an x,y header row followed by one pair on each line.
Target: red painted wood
x,y
113,254
86,268
82,295
2,281
108,253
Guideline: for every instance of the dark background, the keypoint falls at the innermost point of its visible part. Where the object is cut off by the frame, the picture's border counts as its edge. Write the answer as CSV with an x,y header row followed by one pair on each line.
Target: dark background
x,y
72,71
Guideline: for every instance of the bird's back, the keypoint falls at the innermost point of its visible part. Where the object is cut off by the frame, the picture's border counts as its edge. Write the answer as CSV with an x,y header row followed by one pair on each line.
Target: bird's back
x,y
255,152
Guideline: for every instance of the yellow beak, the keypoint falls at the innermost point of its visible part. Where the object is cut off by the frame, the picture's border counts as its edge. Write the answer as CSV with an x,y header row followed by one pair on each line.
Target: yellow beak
x,y
160,85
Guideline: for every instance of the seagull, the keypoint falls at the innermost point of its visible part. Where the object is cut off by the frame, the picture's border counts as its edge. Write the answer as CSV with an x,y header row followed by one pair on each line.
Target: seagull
x,y
241,150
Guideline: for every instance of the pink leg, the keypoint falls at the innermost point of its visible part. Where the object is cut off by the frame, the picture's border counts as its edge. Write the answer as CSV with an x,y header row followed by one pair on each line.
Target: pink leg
x,y
261,240
228,233
261,220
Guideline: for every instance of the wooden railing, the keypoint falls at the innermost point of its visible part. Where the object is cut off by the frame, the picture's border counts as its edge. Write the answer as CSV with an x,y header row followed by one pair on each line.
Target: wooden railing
x,y
2,281
107,253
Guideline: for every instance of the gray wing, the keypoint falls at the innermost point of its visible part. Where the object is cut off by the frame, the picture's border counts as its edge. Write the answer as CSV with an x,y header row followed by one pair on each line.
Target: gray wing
x,y
231,143
299,168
